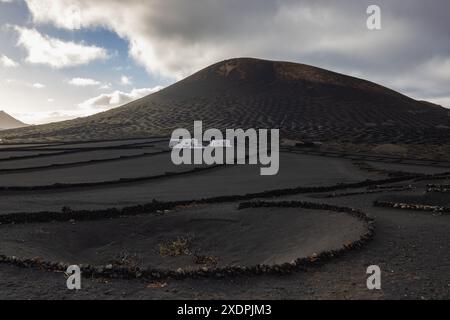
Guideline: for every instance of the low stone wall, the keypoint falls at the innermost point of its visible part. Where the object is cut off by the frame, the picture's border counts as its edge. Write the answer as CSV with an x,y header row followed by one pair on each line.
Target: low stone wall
x,y
67,214
438,188
116,271
370,191
438,176
414,207
79,163
59,186
371,169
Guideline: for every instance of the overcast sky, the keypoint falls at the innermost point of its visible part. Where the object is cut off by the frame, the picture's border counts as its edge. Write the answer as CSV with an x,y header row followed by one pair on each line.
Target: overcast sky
x,y
61,59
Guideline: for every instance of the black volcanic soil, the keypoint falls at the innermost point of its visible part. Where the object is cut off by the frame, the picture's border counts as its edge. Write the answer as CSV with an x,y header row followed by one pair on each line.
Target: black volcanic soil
x,y
410,247
70,157
231,237
295,170
148,165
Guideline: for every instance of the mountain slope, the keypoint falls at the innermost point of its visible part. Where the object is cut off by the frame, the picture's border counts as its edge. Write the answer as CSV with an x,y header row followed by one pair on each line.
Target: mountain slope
x,y
8,122
302,101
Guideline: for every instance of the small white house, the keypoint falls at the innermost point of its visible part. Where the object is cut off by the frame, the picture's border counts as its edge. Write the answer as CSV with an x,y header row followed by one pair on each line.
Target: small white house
x,y
184,144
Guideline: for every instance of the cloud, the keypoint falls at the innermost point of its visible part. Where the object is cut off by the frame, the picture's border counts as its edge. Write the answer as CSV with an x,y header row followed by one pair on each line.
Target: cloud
x,y
56,53
438,68
126,81
41,117
84,82
38,85
174,38
429,80
443,101
7,62
15,82
110,100
106,86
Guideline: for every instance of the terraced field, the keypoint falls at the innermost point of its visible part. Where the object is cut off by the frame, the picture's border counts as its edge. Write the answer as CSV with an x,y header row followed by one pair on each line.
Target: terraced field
x,y
112,207
41,190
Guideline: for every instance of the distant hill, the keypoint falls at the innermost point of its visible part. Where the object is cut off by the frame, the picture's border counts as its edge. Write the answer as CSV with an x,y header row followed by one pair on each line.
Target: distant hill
x,y
304,102
8,122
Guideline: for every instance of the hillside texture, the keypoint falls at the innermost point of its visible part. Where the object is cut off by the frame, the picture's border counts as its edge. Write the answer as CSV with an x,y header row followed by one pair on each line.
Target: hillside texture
x,y
304,102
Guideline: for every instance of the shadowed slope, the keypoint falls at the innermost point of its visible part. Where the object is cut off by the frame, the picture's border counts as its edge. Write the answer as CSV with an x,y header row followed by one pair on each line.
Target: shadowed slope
x,y
303,101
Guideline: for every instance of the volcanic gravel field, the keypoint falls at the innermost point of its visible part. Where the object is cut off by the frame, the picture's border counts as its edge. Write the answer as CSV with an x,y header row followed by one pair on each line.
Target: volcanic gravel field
x,y
142,228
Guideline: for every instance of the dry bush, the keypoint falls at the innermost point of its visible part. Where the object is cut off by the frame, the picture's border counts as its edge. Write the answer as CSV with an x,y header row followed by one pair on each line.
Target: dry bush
x,y
209,261
181,246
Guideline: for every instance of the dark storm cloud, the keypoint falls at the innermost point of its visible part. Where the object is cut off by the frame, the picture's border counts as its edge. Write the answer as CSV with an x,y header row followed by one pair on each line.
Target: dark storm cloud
x,y
176,37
